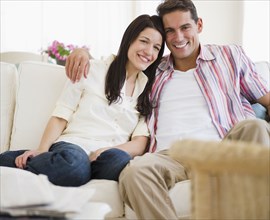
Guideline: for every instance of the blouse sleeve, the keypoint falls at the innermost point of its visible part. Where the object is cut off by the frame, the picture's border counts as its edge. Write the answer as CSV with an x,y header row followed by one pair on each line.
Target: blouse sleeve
x,y
69,99
141,129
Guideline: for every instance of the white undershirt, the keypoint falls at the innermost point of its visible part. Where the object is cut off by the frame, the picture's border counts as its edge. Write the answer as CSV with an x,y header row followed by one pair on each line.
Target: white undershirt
x,y
183,112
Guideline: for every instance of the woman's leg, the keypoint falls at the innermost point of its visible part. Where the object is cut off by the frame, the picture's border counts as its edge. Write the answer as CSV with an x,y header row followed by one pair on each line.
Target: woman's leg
x,y
110,164
7,159
65,164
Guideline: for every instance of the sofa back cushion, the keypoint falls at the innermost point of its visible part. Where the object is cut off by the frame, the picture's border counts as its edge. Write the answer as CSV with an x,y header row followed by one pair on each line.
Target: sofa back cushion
x,y
8,73
39,86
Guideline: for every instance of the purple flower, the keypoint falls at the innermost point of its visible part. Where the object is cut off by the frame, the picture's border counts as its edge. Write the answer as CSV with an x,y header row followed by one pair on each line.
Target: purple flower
x,y
58,50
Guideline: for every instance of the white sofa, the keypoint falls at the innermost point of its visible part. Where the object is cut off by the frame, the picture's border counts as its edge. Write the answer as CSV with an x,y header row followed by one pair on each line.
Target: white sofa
x,y
28,96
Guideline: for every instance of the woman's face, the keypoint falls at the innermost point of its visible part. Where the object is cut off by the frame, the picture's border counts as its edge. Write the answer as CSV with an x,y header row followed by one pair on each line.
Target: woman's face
x,y
144,50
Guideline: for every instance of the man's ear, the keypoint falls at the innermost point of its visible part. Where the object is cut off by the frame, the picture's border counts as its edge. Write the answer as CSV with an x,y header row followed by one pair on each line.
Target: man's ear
x,y
200,25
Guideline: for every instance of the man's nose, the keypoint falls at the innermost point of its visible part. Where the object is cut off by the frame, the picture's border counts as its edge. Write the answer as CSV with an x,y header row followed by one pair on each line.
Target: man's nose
x,y
179,34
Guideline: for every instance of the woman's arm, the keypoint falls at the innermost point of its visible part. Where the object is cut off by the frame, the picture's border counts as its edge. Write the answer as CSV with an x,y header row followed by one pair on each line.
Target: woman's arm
x,y
135,147
52,131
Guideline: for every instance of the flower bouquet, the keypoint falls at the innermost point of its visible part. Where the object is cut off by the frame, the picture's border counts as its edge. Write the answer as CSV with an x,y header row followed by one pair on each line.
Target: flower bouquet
x,y
59,51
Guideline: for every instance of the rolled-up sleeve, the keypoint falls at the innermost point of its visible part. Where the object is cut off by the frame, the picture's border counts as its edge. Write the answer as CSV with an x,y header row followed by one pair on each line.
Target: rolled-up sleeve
x,y
69,100
141,129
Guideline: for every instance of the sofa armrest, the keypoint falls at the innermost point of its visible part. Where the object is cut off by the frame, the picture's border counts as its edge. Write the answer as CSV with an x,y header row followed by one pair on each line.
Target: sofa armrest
x,y
230,180
8,81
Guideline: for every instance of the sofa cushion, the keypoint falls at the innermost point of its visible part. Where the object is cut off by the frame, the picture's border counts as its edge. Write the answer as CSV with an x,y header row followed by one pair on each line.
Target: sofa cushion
x,y
106,191
39,86
8,88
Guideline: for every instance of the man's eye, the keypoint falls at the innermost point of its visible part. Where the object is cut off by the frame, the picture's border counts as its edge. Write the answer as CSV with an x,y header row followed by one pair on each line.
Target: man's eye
x,y
185,28
168,31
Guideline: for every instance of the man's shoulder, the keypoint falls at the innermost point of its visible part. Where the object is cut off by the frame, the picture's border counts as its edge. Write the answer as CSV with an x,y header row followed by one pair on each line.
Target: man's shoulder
x,y
217,48
212,51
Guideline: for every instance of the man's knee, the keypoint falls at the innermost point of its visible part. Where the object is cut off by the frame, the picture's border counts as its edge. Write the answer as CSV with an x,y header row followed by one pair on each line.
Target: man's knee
x,y
251,130
253,125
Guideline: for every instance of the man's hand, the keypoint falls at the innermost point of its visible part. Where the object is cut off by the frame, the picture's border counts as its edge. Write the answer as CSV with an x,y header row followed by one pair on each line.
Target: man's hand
x,y
77,64
21,160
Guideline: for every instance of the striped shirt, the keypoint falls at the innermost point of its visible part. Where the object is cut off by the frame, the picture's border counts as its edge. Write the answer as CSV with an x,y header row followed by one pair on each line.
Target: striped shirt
x,y
228,81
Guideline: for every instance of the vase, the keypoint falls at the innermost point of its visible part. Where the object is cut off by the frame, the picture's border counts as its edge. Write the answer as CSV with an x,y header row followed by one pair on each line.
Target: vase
x,y
61,62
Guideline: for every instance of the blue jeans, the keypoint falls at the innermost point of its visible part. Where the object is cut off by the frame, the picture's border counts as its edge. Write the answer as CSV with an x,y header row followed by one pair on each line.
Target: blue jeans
x,y
67,164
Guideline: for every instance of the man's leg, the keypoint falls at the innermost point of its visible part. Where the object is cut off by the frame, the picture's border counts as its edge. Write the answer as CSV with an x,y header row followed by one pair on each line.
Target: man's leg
x,y
251,130
145,182
109,164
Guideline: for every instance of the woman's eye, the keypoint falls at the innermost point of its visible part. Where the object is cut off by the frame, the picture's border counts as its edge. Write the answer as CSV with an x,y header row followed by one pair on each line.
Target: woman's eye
x,y
157,48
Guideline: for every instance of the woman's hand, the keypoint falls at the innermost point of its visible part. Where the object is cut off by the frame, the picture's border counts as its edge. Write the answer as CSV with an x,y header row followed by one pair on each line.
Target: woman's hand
x,y
94,155
77,64
21,160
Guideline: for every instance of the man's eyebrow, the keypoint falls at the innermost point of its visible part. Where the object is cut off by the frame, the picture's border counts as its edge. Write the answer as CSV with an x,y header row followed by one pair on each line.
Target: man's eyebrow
x,y
183,25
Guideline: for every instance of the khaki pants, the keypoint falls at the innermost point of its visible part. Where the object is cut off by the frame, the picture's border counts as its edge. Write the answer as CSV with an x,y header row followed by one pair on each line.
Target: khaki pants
x,y
145,183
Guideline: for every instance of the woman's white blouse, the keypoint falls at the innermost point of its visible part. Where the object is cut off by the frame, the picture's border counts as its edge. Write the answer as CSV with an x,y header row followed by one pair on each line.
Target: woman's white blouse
x,y
92,123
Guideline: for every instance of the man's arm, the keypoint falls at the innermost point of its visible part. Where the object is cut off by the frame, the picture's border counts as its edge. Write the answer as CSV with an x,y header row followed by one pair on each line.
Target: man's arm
x,y
77,64
265,101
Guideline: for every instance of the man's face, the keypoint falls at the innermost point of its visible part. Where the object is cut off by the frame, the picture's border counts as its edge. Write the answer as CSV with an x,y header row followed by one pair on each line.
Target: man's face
x,y
182,35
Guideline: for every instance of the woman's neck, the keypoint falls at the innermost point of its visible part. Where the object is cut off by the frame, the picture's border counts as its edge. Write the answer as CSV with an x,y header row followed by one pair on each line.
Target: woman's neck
x,y
130,83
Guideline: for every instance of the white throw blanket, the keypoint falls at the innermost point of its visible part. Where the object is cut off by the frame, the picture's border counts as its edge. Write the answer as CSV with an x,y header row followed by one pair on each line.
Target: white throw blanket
x,y
25,193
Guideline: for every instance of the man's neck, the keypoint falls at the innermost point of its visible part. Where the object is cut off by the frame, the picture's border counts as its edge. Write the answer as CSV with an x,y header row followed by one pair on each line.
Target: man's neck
x,y
184,65
187,63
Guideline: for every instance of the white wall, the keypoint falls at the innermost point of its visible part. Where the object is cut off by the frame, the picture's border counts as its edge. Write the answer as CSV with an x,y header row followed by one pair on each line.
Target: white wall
x,y
256,36
32,25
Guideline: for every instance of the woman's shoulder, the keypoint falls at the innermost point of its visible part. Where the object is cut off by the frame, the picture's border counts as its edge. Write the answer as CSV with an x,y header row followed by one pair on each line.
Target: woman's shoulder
x,y
99,66
103,61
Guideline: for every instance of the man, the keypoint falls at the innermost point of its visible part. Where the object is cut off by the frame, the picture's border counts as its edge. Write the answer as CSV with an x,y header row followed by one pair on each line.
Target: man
x,y
201,92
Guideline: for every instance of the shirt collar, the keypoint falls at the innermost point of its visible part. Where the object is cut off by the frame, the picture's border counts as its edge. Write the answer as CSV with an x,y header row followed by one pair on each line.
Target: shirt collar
x,y
205,54
140,84
166,63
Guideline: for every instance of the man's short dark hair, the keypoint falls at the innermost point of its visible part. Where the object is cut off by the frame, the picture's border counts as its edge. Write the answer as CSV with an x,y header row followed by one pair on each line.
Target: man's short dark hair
x,y
169,6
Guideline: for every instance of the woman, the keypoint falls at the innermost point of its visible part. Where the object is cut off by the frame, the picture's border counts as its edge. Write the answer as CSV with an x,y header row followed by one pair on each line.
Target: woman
x,y
98,124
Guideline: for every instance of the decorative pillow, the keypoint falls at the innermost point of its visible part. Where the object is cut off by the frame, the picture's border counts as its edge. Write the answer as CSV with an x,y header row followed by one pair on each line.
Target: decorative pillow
x,y
260,111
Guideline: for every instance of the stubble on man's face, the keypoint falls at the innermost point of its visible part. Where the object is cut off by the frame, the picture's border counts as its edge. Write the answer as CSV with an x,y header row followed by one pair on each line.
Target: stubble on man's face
x,y
182,36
